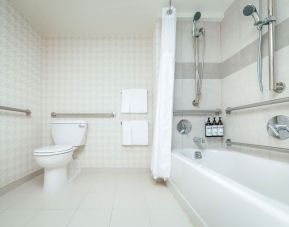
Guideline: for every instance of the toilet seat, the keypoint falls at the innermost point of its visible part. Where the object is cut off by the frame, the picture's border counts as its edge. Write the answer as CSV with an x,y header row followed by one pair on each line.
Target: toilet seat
x,y
53,150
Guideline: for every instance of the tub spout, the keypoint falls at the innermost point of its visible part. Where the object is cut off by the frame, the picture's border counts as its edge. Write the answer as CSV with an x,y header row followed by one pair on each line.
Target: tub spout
x,y
199,140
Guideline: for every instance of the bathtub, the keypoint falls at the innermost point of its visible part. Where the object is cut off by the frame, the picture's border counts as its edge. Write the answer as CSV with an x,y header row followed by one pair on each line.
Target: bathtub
x,y
231,189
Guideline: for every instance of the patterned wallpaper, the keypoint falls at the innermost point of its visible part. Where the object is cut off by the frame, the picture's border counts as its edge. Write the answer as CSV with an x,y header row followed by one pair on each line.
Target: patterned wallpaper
x,y
87,75
20,86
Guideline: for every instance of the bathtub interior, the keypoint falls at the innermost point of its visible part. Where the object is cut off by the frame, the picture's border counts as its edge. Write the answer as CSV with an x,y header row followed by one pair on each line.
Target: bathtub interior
x,y
267,177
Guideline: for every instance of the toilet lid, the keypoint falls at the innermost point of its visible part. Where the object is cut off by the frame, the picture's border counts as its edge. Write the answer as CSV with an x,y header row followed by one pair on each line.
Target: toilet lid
x,y
55,149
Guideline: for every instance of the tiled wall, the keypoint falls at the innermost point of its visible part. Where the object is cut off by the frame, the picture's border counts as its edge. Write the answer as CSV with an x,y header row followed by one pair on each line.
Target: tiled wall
x,y
20,86
240,86
87,75
184,81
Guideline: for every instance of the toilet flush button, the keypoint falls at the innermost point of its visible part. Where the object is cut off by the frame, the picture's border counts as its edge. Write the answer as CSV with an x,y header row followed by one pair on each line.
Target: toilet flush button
x,y
81,126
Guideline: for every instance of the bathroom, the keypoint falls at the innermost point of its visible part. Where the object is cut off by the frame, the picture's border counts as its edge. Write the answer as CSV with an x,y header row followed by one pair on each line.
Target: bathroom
x,y
107,113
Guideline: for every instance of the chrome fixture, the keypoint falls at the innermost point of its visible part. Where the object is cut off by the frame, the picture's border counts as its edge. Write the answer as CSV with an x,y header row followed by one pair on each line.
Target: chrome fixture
x,y
198,155
250,10
198,140
184,127
278,127
229,143
170,11
197,112
229,110
197,33
96,115
26,111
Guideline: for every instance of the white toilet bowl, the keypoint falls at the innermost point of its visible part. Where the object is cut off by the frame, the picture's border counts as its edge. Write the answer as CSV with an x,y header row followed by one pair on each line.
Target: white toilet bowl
x,y
67,136
54,160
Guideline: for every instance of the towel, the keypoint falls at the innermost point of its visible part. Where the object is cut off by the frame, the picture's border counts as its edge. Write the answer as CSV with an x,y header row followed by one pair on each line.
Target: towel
x,y
134,101
135,133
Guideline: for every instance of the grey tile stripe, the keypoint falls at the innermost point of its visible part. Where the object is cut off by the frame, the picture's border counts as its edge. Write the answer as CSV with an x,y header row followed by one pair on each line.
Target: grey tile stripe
x,y
187,71
238,61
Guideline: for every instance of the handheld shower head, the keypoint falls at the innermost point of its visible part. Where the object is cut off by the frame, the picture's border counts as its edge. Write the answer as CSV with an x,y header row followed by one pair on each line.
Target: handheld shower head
x,y
250,10
197,16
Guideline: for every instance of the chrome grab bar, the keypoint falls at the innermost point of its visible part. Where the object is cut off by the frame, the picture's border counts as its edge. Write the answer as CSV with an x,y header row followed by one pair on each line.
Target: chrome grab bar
x,y
229,110
96,115
197,112
26,111
229,143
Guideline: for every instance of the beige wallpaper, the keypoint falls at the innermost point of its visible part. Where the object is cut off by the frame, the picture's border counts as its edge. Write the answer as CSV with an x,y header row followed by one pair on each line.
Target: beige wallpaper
x,y
20,86
87,75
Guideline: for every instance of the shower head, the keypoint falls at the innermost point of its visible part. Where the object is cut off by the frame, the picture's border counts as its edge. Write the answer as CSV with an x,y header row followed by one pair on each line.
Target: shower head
x,y
250,10
197,16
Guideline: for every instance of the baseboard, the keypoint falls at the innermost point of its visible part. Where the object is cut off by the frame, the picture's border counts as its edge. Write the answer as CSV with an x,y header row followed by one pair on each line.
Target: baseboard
x,y
194,217
115,170
17,183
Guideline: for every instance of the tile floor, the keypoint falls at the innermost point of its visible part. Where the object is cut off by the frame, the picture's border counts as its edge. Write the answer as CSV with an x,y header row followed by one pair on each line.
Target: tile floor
x,y
94,200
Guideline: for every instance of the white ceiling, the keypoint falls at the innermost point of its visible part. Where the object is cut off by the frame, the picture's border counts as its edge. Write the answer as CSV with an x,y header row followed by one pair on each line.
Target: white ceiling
x,y
94,17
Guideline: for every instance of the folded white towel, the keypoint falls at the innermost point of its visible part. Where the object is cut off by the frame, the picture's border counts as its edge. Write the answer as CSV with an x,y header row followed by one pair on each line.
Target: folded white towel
x,y
135,133
134,101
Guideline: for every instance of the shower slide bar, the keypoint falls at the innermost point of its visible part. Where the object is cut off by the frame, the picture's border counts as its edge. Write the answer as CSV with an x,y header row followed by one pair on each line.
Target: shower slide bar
x,y
27,111
229,143
95,115
229,110
197,112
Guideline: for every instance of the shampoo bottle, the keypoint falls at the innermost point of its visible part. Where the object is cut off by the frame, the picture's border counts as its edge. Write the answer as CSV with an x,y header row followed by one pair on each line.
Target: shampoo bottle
x,y
208,128
215,128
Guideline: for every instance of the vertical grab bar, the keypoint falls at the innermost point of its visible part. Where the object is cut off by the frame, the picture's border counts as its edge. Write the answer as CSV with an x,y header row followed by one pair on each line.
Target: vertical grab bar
x,y
273,86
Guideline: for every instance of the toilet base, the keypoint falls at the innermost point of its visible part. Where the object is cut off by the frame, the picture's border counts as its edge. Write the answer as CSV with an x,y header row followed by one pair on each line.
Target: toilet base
x,y
55,179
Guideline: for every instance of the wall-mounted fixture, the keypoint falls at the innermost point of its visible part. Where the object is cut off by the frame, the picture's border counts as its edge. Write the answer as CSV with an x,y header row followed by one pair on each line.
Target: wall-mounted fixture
x,y
26,111
199,66
278,127
184,127
270,20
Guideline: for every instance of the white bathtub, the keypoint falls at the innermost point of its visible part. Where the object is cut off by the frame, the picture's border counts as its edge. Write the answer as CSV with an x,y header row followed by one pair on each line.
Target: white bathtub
x,y
230,189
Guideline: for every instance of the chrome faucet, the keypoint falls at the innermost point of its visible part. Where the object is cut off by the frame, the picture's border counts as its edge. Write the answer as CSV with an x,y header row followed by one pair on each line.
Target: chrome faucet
x,y
199,140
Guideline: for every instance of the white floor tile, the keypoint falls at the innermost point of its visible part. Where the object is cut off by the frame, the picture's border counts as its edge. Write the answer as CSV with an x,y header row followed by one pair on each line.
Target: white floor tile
x,y
90,218
169,219
97,201
16,218
51,218
130,218
94,199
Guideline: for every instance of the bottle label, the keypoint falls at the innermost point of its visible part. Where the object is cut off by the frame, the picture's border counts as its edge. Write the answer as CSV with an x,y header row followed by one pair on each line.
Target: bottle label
x,y
215,130
208,130
220,130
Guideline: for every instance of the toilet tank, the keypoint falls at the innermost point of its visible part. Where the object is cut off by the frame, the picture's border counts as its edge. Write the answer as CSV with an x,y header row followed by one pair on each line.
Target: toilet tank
x,y
69,132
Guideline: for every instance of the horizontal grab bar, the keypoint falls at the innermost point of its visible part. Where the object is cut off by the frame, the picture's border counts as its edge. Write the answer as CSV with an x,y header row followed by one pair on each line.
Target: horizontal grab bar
x,y
229,110
96,115
197,112
26,111
229,143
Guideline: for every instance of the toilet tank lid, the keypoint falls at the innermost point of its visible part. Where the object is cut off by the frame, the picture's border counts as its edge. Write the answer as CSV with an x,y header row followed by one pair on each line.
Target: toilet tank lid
x,y
69,122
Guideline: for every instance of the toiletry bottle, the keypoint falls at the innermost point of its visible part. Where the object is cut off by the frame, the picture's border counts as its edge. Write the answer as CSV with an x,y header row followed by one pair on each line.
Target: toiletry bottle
x,y
220,127
214,128
208,128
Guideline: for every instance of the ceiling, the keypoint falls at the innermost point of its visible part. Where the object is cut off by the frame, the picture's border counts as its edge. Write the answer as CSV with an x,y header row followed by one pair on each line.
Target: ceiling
x,y
95,17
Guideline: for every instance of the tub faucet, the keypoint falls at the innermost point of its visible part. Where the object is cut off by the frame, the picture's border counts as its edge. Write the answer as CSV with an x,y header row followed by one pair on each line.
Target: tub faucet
x,y
198,140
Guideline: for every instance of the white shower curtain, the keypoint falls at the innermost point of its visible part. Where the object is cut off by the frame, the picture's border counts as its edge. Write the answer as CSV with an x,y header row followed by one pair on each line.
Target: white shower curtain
x,y
161,155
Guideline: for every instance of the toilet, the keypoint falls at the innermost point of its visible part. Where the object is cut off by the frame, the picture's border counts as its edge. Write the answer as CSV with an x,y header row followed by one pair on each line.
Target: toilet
x,y
67,137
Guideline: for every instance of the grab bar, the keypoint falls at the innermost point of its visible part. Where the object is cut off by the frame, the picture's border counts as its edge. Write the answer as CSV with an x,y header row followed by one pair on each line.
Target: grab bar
x,y
96,115
197,112
27,111
229,110
229,143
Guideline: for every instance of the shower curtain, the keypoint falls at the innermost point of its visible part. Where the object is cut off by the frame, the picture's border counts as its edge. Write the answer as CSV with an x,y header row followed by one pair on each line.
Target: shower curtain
x,y
161,154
